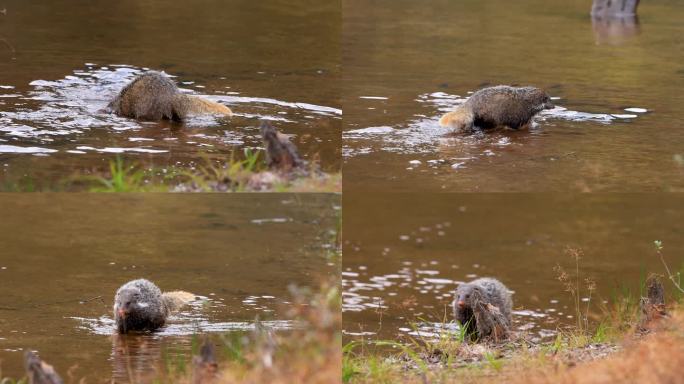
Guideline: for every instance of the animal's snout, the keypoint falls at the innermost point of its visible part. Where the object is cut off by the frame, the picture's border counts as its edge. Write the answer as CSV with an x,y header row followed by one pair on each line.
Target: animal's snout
x,y
122,312
549,106
461,303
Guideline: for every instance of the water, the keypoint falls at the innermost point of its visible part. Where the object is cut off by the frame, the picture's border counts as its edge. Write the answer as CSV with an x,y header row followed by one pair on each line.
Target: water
x,y
618,126
60,64
63,257
404,254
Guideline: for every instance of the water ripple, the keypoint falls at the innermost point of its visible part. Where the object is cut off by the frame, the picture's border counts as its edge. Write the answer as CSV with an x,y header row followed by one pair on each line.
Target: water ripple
x,y
423,134
74,105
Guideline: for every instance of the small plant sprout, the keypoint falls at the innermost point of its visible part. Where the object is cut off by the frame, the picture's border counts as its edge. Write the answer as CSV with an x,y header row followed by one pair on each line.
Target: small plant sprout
x,y
122,178
675,278
493,361
572,284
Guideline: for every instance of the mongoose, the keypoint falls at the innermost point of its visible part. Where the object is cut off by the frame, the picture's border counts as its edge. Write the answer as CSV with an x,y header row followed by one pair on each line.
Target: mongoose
x,y
482,291
500,106
139,305
152,96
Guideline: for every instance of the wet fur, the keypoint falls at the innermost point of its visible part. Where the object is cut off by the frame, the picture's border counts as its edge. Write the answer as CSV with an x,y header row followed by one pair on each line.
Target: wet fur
x,y
153,313
500,106
152,96
486,290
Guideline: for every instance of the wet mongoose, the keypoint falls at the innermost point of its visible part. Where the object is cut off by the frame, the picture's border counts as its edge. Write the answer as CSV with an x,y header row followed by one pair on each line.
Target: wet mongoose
x,y
153,96
485,290
139,305
500,106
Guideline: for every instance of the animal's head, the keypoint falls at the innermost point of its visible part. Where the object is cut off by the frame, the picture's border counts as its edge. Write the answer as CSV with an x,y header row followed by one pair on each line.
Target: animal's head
x,y
128,302
539,98
464,292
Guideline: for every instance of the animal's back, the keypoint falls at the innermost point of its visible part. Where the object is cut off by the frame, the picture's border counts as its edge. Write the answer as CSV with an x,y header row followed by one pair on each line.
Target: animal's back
x,y
501,106
150,96
497,294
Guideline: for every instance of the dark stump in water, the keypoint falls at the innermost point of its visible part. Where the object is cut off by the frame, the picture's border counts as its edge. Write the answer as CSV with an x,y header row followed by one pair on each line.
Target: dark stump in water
x,y
653,306
204,366
281,154
40,372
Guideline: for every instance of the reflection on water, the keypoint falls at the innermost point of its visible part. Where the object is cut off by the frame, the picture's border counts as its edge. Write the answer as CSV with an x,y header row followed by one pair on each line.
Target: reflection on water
x,y
406,63
404,255
615,30
269,60
137,357
238,255
193,320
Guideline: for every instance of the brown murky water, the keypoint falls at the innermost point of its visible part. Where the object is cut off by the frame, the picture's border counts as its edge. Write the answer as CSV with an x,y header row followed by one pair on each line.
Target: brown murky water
x,y
61,62
405,253
63,257
405,63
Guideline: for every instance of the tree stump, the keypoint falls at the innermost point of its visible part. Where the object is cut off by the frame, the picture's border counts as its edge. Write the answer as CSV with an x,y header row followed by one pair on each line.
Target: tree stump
x,y
204,366
614,8
40,372
281,154
653,306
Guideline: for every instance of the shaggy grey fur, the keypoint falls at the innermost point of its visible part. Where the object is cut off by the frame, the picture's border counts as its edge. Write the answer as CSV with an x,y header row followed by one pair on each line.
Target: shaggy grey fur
x,y
151,96
486,308
139,306
502,105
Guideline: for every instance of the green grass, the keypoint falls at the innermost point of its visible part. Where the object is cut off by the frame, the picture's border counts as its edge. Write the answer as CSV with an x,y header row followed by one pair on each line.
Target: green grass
x,y
234,175
601,333
174,361
676,277
25,184
122,178
349,369
452,357
679,296
233,346
494,362
8,380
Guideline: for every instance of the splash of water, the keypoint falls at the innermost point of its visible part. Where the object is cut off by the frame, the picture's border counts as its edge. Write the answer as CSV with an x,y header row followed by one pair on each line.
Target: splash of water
x,y
423,135
70,107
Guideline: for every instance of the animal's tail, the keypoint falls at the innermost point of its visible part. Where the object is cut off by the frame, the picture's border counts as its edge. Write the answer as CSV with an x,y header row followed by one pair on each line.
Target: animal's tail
x,y
459,119
176,299
198,105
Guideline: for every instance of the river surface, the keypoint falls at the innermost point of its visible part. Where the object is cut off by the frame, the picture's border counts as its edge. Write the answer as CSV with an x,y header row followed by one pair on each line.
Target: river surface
x,y
404,254
63,258
62,62
618,125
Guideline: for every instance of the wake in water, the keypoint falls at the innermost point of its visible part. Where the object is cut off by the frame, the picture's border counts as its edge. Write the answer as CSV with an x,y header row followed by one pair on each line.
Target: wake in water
x,y
194,320
423,134
62,111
